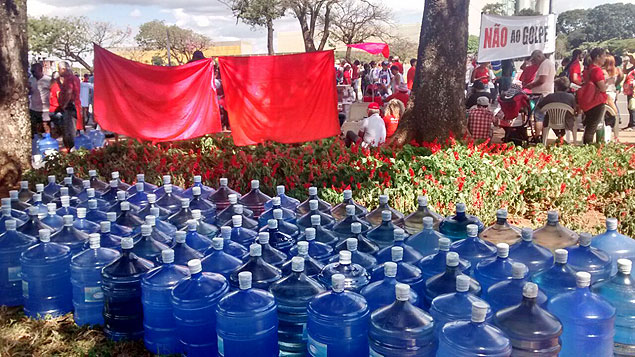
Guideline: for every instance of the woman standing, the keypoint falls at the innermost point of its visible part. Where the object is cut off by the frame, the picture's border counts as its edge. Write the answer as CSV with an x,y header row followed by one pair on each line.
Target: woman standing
x,y
394,111
614,77
592,96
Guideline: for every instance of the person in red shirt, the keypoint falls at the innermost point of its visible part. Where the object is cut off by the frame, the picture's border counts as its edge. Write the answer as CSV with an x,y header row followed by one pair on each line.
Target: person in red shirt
x,y
411,73
401,94
593,104
481,73
575,70
394,111
356,79
529,73
69,104
347,75
395,62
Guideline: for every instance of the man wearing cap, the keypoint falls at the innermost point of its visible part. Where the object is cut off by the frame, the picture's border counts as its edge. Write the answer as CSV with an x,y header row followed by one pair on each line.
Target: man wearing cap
x,y
384,78
480,120
400,93
478,90
373,130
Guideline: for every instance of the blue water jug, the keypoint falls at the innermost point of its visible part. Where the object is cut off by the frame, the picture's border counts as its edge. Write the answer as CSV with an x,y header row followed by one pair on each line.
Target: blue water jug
x,y
194,301
426,241
338,322
93,212
383,234
501,231
9,211
532,330
304,207
128,218
558,279
12,244
160,331
47,145
207,208
588,321
148,248
120,184
508,293
339,211
107,239
492,270
401,329
364,244
278,239
195,240
473,248
255,200
118,229
553,235
285,227
52,188
46,278
33,225
356,277
344,228
247,221
474,337
287,202
322,234
99,185
414,223
204,191
152,203
7,216
240,234
305,221
70,236
455,227
619,291
97,138
229,246
246,321
375,217
382,293
83,142
312,267
446,282
122,198
535,257
365,260
16,203
270,254
184,214
592,260
183,253
434,264
217,261
88,298
614,244
170,200
66,208
25,194
121,284
147,187
406,273
83,224
162,226
221,197
292,293
317,250
263,274
156,233
110,195
138,196
410,255
202,227
287,214
226,214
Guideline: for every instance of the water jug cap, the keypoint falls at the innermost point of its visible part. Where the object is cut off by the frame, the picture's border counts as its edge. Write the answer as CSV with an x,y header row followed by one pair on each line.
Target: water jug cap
x,y
383,199
386,216
37,197
51,207
185,203
530,290
422,200
93,240
197,179
217,243
115,175
552,216
244,280
399,234
350,210
624,266
90,192
104,226
146,230
6,208
195,266
85,183
351,244
472,230
585,239
280,190
337,282
272,224
154,211
303,248
255,250
64,191
356,228
92,173
50,178
139,186
151,220
152,198
390,269
444,244
225,232
428,222
502,250
501,213
125,206
452,259
196,214
70,170
24,185
44,234
239,209
33,211
127,243
396,254
237,220
277,213
66,201
179,236
255,184
196,191
263,238
519,270
527,234
11,224
111,216
275,201
167,256
68,220
141,178
462,283
561,256
316,220
223,181
479,311
460,207
81,212
402,292
121,195
348,194
167,187
345,257
13,194
191,225
611,224
167,179
233,198
582,279
312,191
297,264
309,233
313,205
39,187
113,183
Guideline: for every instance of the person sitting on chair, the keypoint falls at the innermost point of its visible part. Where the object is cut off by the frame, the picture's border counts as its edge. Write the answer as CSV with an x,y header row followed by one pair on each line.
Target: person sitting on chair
x,y
480,120
373,130
561,95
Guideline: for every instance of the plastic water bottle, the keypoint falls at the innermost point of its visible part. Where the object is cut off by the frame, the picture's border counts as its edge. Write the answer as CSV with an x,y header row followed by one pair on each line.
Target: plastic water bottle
x,y
88,298
96,183
24,194
7,216
111,194
508,293
339,211
118,229
473,248
240,234
413,222
121,198
120,184
305,221
8,211
246,321
146,187
382,293
194,301
160,332
82,196
501,231
157,224
97,138
107,239
230,247
32,226
155,233
292,294
592,260
406,273
152,203
183,253
180,218
47,145
619,291
66,209
532,330
16,203
446,282
356,277
202,227
338,322
553,235
383,234
535,257
492,270
195,240
455,306
287,214
317,250
588,320
304,207
227,213
255,200
366,260
93,213
12,244
204,190
129,219
455,227
83,142
169,200
376,216
46,278
288,228
52,188
70,236
287,202
84,225
434,264
614,244
364,244
558,279
220,197
277,238
270,254
217,261
312,267
474,337
121,284
139,197
410,255
263,274
401,329
426,240
343,228
148,248
322,234
207,208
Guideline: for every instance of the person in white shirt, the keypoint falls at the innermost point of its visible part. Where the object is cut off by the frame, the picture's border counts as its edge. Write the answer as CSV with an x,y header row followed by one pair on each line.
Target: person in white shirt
x,y
373,130
84,96
542,83
39,87
397,79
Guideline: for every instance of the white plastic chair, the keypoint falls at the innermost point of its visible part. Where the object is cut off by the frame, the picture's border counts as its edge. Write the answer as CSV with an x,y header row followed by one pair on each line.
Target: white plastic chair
x,y
557,113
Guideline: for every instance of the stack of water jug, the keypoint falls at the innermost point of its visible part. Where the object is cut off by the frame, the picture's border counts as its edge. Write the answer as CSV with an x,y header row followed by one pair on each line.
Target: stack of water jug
x,y
207,272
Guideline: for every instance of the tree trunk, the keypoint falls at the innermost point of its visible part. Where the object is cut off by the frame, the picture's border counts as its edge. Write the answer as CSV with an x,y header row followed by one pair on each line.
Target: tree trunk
x,y
327,24
80,60
270,36
309,45
436,109
348,54
15,136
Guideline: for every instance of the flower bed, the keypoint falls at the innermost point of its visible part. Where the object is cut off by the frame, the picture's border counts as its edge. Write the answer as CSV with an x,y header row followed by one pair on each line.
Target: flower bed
x,y
527,181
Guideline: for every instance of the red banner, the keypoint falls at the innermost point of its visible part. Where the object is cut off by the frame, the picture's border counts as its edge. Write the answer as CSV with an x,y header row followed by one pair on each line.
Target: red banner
x,y
287,98
152,102
373,48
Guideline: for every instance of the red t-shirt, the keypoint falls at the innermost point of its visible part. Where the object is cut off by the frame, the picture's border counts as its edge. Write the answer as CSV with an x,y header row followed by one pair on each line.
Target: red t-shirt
x,y
398,64
347,77
73,82
592,74
53,98
355,72
391,124
411,77
482,71
575,69
529,74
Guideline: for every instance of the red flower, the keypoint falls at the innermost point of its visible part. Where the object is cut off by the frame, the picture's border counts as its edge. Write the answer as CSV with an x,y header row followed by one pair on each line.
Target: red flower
x,y
412,172
563,187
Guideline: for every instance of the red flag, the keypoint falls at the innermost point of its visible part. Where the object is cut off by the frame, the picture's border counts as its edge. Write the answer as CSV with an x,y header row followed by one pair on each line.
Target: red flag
x,y
287,98
373,48
153,102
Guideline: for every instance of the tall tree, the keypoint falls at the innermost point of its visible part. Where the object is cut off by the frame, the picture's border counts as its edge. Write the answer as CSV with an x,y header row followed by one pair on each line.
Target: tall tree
x,y
15,148
310,13
495,8
258,13
527,12
436,107
153,36
571,20
611,21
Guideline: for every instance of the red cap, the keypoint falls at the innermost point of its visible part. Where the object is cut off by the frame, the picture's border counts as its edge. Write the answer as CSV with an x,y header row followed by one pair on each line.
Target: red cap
x,y
373,105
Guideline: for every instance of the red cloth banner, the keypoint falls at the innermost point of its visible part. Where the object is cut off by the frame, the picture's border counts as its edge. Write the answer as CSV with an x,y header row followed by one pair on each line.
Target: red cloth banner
x,y
287,98
373,48
152,102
